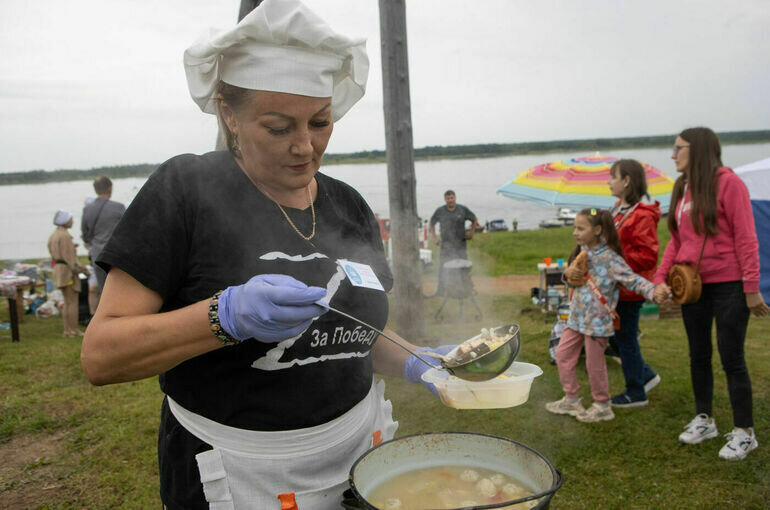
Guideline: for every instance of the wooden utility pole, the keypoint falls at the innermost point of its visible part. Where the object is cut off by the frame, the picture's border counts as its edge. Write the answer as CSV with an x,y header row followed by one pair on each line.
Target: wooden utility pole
x,y
246,7
407,303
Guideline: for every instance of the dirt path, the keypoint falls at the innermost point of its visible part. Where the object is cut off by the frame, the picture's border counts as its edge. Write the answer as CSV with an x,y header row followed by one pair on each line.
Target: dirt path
x,y
515,284
27,475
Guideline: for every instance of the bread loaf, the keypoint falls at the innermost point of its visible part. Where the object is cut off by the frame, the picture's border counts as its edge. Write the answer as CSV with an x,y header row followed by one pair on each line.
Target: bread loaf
x,y
581,264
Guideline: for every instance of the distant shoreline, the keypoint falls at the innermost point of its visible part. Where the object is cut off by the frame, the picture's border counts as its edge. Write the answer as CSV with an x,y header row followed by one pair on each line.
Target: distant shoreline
x,y
492,150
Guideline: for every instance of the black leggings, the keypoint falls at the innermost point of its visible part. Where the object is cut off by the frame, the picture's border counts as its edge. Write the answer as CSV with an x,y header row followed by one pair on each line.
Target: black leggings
x,y
725,302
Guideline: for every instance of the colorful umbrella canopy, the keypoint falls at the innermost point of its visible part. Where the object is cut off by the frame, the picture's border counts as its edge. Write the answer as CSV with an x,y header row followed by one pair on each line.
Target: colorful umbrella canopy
x,y
580,183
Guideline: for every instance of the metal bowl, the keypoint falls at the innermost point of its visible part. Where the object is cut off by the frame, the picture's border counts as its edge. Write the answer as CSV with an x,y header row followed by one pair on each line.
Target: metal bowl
x,y
493,363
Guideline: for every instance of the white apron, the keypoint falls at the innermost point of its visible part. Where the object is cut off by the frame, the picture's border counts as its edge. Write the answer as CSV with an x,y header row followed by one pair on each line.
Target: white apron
x,y
248,469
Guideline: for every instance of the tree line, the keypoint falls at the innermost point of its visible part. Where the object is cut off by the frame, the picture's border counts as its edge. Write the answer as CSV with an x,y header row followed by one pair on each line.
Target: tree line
x,y
488,150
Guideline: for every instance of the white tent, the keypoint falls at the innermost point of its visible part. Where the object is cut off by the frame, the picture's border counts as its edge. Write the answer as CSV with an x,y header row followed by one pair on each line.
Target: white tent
x,y
757,178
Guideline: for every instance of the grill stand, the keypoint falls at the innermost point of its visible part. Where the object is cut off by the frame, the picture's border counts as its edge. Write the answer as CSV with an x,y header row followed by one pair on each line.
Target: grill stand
x,y
479,314
458,285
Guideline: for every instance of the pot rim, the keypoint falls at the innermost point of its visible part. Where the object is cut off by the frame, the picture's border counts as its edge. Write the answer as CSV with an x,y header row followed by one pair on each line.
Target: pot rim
x,y
557,477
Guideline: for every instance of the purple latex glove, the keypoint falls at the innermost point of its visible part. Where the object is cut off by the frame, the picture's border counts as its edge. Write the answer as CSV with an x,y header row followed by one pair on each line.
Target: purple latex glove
x,y
269,307
414,368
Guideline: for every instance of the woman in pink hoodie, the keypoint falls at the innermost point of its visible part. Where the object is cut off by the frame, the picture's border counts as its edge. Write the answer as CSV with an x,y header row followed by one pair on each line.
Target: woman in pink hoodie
x,y
710,203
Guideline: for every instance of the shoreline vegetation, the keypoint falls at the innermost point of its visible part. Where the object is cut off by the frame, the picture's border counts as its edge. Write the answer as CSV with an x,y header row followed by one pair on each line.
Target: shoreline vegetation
x,y
491,150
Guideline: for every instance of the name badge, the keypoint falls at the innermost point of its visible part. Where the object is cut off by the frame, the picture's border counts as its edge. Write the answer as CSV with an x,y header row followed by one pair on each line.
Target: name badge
x,y
360,275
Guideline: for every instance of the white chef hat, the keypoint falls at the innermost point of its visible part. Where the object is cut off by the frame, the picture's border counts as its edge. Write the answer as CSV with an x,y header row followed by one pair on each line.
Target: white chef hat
x,y
281,46
61,217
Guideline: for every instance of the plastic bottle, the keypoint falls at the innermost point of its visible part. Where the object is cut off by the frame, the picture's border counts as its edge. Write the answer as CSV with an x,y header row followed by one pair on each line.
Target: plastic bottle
x,y
553,297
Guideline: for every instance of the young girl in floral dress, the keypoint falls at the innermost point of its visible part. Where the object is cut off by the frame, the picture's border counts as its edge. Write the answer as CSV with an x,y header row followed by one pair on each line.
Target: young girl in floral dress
x,y
592,315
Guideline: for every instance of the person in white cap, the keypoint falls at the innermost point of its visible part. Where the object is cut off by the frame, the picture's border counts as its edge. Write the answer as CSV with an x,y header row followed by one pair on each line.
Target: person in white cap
x,y
220,270
66,270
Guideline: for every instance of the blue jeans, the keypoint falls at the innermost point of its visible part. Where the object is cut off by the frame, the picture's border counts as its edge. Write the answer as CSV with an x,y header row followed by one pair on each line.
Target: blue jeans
x,y
635,371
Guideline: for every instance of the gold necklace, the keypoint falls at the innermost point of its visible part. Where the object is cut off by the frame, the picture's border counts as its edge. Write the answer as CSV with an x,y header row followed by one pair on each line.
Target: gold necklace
x,y
285,215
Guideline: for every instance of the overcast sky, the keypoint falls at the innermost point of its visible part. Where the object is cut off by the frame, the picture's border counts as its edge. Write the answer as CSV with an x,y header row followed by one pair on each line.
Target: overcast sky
x,y
88,83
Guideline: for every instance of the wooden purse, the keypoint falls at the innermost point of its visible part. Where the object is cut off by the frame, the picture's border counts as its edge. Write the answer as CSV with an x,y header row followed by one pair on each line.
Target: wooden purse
x,y
685,282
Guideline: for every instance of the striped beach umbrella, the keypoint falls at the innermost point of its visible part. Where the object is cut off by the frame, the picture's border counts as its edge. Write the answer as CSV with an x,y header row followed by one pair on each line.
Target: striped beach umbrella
x,y
580,182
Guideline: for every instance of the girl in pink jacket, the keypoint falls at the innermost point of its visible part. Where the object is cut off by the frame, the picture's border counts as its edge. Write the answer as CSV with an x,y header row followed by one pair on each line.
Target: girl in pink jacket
x,y
709,201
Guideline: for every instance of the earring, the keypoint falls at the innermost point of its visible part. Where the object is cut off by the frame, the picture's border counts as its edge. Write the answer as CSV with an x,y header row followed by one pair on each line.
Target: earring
x,y
236,149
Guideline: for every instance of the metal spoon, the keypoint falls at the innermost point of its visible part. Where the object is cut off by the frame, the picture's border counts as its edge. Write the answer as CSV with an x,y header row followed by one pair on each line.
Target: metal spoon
x,y
482,368
407,349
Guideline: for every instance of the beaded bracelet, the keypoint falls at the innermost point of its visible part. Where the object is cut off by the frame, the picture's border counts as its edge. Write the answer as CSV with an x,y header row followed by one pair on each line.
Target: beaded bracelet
x,y
214,324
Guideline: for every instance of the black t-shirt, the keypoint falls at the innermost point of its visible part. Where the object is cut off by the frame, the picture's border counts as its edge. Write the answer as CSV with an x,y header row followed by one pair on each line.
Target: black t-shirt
x,y
452,224
198,226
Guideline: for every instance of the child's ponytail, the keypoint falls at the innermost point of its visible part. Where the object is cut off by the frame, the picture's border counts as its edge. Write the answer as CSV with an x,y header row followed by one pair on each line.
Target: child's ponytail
x,y
609,231
574,254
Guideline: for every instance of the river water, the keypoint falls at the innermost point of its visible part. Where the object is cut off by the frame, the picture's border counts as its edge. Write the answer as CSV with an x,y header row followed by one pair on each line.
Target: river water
x,y
26,211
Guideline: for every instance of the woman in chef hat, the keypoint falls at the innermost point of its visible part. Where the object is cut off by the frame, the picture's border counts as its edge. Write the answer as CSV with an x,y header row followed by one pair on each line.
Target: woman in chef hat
x,y
220,269
66,270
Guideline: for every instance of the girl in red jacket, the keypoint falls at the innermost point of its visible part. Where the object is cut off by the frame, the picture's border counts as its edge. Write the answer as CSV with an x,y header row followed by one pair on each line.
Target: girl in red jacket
x,y
636,220
709,202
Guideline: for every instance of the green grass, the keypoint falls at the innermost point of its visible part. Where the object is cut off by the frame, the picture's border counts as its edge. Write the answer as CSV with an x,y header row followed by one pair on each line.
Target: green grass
x,y
96,447
519,252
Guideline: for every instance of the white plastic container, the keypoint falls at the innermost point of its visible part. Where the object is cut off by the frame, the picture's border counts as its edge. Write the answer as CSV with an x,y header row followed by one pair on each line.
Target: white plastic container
x,y
509,389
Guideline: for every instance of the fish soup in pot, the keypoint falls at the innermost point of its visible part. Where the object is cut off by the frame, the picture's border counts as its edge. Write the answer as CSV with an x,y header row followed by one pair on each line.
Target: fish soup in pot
x,y
448,487
451,470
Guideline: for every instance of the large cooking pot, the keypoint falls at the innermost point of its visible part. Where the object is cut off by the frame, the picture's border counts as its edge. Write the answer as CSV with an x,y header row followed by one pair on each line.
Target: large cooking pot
x,y
457,278
398,456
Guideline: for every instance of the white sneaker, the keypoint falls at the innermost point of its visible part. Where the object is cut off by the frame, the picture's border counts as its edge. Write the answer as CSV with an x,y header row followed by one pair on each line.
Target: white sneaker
x,y
699,429
597,412
654,381
739,444
565,406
